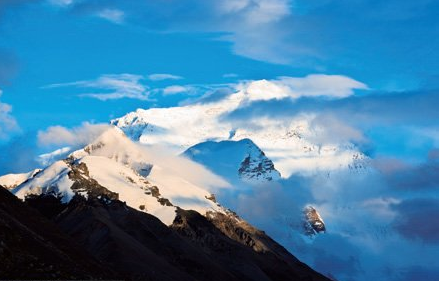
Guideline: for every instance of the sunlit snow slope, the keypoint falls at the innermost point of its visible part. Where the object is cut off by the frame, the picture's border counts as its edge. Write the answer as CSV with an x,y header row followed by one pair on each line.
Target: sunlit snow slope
x,y
146,180
10,181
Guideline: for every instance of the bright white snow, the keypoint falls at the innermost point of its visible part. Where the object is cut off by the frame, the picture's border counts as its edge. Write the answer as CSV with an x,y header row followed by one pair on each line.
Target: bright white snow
x,y
131,170
53,179
10,181
289,144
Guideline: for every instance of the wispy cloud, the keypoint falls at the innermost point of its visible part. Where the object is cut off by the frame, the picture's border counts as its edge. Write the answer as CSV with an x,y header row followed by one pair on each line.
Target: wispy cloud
x,y
374,109
101,10
230,75
163,76
61,3
312,34
117,86
74,137
113,15
337,86
175,89
255,27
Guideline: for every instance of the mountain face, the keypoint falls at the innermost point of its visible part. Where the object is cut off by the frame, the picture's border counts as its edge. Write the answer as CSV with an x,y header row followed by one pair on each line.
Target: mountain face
x,y
138,246
146,221
32,247
116,167
234,160
293,146
243,160
11,181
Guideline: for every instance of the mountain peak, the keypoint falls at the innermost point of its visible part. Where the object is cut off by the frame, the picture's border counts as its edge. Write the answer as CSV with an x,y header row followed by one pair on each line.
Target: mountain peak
x,y
235,160
312,221
293,145
114,166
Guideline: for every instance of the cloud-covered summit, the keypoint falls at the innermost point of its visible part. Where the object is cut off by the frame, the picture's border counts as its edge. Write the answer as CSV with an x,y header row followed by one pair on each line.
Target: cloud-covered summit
x,y
295,143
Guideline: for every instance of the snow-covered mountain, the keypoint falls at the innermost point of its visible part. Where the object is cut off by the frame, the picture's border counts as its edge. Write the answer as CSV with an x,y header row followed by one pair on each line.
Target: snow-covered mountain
x,y
10,181
241,163
234,160
115,167
294,145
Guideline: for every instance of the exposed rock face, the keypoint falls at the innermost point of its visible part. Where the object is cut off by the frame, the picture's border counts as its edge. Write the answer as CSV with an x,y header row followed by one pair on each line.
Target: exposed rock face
x,y
32,247
312,221
84,184
254,168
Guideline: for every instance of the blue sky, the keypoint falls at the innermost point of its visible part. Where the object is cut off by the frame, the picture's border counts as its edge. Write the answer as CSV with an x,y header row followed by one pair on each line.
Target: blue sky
x,y
48,46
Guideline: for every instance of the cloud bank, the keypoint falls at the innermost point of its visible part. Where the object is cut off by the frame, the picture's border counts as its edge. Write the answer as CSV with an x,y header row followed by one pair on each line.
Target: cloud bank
x,y
313,85
374,228
75,137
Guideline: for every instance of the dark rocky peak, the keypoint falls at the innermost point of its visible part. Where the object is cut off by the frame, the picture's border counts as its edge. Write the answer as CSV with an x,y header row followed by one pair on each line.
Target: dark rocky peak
x,y
312,221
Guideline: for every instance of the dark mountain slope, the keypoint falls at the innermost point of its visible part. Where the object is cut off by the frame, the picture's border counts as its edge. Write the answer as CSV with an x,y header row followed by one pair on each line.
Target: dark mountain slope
x,y
247,252
136,244
32,247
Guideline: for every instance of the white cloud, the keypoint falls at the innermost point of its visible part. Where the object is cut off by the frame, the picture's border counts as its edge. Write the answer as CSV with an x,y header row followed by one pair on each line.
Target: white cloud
x,y
336,86
113,15
62,3
116,86
163,76
431,133
331,130
230,75
260,11
175,89
256,29
264,90
74,137
296,142
8,124
314,85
